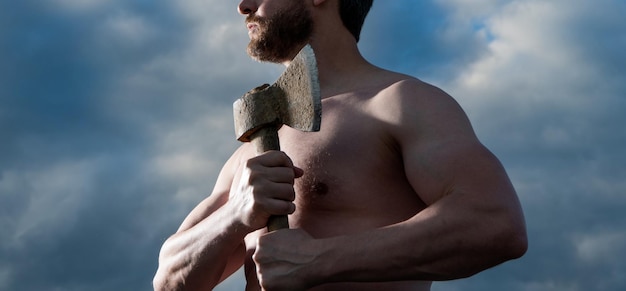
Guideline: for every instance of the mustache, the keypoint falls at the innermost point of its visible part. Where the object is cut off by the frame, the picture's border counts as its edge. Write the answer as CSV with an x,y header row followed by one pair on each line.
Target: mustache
x,y
253,18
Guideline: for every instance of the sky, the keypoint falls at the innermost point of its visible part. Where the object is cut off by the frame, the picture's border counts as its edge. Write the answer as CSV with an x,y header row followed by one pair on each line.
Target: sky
x,y
116,117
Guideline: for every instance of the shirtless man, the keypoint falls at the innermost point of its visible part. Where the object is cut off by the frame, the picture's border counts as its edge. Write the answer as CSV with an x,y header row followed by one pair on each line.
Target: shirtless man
x,y
393,193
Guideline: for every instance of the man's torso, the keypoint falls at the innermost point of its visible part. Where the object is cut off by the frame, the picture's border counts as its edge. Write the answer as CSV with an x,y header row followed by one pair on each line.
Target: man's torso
x,y
353,178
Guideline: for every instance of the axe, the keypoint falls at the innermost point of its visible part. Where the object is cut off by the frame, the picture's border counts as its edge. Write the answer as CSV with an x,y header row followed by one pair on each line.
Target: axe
x,y
294,100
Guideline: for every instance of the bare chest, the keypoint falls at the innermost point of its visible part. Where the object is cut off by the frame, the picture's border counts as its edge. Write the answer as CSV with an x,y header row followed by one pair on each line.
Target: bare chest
x,y
353,172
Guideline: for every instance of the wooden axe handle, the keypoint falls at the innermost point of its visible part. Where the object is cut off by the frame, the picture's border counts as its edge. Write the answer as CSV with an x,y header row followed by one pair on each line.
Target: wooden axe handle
x,y
266,139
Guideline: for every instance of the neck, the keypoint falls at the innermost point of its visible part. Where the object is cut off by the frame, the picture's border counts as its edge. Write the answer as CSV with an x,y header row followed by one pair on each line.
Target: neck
x,y
341,66
340,63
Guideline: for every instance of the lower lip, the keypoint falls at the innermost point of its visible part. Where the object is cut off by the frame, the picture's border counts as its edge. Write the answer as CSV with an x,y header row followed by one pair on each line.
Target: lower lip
x,y
252,29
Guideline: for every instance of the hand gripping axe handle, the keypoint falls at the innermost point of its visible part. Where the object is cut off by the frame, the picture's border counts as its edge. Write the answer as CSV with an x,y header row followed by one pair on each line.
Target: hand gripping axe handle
x,y
294,100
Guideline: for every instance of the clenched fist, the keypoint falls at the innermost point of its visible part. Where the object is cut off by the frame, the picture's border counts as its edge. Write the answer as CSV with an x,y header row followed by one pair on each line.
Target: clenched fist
x,y
286,260
265,188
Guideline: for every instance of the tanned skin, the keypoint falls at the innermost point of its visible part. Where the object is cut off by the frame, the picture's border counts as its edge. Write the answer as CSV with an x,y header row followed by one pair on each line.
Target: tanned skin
x,y
394,192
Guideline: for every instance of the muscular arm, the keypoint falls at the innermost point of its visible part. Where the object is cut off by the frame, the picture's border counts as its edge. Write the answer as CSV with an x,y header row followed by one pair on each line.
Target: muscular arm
x,y
473,220
208,246
473,225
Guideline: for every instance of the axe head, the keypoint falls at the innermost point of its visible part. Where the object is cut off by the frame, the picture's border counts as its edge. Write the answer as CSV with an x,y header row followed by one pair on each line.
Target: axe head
x,y
293,100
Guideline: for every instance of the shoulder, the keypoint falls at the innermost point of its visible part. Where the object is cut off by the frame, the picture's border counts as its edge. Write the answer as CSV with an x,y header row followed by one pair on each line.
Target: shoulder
x,y
231,168
220,194
401,90
417,94
420,109
241,155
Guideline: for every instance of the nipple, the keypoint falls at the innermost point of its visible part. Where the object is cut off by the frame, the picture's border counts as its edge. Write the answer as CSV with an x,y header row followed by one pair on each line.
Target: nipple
x,y
319,188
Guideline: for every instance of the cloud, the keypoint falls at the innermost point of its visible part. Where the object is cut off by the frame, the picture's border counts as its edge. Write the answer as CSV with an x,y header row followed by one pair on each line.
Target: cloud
x,y
125,29
79,6
64,185
547,99
422,39
599,248
116,118
119,120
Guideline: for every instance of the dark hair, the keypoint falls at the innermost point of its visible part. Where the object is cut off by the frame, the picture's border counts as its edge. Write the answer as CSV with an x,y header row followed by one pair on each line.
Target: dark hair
x,y
353,13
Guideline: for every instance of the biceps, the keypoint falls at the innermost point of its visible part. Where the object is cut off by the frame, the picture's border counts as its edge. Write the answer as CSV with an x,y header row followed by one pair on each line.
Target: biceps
x,y
439,169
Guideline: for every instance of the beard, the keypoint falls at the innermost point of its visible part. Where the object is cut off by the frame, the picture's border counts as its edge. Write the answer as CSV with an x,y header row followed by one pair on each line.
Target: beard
x,y
279,37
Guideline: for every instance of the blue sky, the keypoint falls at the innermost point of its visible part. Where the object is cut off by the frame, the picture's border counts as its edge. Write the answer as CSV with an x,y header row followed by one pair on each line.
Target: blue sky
x,y
115,118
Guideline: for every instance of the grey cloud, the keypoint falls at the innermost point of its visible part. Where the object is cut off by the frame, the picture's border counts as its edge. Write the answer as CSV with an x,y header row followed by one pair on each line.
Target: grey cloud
x,y
548,101
420,38
93,96
115,120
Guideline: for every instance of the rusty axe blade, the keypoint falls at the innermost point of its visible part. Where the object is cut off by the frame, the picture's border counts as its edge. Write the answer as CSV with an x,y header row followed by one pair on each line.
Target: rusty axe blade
x,y
294,100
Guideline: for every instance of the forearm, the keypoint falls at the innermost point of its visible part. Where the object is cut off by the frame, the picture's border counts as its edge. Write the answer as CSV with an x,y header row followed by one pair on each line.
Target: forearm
x,y
196,258
433,245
